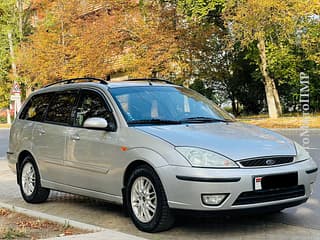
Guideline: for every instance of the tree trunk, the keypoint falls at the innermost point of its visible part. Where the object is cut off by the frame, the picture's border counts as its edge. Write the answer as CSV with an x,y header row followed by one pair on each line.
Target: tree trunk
x,y
234,107
28,91
276,97
8,117
13,64
273,101
20,12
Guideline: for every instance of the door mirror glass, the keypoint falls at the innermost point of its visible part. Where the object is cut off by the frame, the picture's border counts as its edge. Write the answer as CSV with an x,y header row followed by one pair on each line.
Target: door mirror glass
x,y
96,123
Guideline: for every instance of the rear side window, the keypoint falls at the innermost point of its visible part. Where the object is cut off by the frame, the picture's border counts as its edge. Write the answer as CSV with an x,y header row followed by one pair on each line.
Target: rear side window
x,y
36,107
60,108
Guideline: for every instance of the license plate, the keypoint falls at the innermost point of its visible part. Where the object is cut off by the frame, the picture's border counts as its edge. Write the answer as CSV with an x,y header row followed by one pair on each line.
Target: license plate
x,y
275,181
258,183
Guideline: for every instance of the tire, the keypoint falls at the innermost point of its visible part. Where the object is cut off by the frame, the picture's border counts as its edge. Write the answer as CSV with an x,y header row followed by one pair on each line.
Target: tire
x,y
30,185
161,216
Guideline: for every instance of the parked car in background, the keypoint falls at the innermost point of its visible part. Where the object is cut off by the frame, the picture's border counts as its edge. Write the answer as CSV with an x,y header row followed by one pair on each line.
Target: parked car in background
x,y
154,147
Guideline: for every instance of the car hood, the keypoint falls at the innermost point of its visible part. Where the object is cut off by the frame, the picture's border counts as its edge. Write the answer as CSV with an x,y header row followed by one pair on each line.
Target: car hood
x,y
234,140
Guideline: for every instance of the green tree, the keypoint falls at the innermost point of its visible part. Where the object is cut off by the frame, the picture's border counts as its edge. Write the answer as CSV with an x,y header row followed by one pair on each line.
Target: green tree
x,y
6,27
270,25
203,10
14,26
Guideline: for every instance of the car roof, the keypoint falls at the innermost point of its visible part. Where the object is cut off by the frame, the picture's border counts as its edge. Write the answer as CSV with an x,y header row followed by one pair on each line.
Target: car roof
x,y
104,85
136,83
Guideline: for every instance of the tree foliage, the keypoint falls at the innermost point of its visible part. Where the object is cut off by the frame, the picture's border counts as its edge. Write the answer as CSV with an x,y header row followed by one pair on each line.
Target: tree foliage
x,y
118,38
7,22
274,26
226,49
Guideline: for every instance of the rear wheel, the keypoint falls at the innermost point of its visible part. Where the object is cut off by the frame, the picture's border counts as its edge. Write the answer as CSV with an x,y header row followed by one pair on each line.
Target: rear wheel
x,y
146,201
30,185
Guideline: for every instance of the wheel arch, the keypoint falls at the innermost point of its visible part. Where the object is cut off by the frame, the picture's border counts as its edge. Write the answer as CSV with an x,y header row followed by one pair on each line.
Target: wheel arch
x,y
143,156
22,155
131,167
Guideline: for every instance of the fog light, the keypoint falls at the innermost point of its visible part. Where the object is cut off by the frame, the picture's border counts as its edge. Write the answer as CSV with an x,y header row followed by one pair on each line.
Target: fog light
x,y
213,199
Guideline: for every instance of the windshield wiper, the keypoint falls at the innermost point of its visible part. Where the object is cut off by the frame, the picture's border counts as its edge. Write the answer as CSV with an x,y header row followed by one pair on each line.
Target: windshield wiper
x,y
154,121
203,120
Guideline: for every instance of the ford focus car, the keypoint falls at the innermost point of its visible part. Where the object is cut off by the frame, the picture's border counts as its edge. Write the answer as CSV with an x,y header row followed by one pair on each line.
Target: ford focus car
x,y
154,147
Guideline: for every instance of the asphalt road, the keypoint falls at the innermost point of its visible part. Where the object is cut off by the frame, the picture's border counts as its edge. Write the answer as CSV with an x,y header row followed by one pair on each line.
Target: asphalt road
x,y
4,140
308,214
293,223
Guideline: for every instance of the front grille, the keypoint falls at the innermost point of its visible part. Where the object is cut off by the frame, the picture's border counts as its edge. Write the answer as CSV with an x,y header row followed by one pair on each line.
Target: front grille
x,y
269,195
268,161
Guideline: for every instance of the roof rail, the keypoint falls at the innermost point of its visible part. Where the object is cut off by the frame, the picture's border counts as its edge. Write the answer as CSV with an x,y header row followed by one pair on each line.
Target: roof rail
x,y
74,80
150,80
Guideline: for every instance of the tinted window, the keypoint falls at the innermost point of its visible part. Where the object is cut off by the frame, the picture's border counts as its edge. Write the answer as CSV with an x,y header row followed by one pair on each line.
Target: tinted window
x,y
60,108
91,104
36,107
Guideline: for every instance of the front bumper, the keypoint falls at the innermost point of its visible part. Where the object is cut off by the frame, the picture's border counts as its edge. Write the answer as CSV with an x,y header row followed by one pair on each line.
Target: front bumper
x,y
185,185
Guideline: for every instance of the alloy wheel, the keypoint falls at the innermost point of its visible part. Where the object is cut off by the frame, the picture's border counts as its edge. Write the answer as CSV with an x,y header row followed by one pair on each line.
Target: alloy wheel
x,y
28,179
143,199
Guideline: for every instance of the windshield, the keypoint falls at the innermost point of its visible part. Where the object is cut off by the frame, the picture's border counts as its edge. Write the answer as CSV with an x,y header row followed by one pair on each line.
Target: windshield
x,y
166,105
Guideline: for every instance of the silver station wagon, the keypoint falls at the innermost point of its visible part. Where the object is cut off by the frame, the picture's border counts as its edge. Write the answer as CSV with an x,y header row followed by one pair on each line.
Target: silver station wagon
x,y
154,147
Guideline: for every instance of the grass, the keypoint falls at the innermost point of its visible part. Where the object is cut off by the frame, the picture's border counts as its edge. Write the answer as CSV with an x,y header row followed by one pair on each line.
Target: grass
x,y
283,122
12,233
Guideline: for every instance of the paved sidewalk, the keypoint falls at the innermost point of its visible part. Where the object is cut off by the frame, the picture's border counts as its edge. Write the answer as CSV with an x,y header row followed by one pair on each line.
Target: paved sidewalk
x,y
107,234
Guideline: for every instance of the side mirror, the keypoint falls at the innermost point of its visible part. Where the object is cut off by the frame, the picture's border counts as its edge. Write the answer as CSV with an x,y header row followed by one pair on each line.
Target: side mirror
x,y
96,123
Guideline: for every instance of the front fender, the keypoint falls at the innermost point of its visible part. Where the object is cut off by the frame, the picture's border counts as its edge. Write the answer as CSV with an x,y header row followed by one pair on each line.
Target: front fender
x,y
147,155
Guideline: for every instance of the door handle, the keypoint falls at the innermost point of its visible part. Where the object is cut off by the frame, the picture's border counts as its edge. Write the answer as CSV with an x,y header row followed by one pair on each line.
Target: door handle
x,y
75,137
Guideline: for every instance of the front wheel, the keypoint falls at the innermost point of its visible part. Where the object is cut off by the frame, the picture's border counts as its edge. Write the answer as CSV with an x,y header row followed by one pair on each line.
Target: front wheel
x,y
30,186
146,201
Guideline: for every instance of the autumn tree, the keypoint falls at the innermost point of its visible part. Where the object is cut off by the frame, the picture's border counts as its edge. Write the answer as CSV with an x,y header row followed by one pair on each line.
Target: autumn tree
x,y
117,36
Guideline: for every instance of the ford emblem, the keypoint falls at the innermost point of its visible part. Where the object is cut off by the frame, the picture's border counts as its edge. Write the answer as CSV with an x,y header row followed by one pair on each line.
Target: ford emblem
x,y
270,162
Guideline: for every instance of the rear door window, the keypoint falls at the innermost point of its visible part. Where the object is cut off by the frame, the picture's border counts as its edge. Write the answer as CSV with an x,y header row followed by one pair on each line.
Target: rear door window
x,y
61,107
36,107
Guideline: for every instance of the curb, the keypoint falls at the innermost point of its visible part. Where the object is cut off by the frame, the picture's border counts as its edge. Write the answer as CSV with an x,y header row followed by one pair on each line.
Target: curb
x,y
52,218
107,234
99,233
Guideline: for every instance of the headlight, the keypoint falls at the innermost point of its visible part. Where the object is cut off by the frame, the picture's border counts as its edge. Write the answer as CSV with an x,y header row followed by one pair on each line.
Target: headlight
x,y
302,154
198,157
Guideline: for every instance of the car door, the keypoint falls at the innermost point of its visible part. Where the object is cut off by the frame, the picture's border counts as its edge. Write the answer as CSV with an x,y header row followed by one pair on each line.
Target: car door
x,y
91,151
50,135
